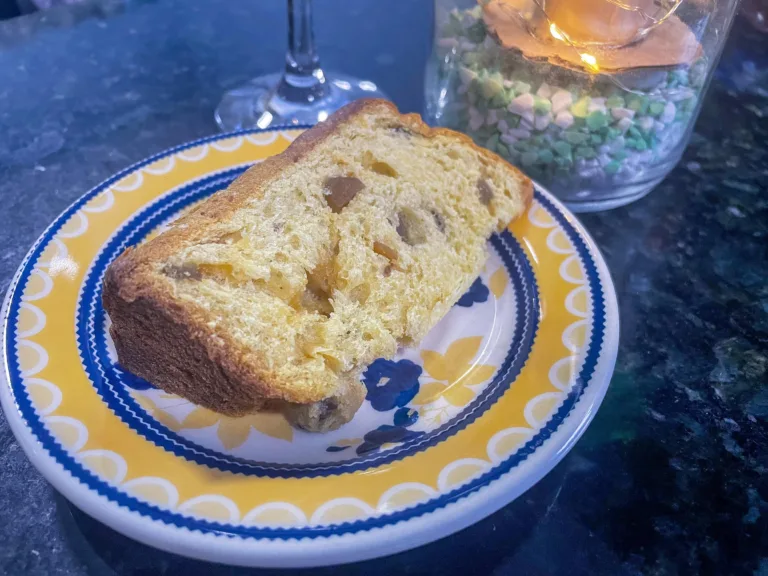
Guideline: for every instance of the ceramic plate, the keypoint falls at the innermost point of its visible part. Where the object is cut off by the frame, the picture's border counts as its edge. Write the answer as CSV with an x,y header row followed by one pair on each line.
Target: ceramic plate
x,y
450,431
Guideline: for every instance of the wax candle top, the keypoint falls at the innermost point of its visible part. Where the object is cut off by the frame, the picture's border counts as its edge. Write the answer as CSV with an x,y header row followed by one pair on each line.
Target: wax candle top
x,y
593,35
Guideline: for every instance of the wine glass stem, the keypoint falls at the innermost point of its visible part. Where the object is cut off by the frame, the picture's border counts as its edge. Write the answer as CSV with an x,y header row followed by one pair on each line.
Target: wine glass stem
x,y
303,80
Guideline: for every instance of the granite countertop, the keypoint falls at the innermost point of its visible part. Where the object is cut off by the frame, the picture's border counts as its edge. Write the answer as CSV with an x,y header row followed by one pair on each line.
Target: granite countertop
x,y
671,476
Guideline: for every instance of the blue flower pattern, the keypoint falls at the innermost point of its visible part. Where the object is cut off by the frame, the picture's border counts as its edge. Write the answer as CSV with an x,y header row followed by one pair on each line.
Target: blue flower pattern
x,y
391,384
476,294
391,434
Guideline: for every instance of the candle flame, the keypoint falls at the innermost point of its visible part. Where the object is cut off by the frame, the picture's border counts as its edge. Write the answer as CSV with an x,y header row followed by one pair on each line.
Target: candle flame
x,y
590,61
555,31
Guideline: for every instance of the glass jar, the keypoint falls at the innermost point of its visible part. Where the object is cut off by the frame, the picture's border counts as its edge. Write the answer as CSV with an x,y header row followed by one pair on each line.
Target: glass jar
x,y
594,99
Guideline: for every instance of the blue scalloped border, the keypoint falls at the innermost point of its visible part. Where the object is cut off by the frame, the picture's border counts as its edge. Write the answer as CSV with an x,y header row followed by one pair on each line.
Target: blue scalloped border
x,y
64,459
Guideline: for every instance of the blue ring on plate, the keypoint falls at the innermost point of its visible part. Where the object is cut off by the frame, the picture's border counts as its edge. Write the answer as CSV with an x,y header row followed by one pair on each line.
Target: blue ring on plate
x,y
109,379
80,473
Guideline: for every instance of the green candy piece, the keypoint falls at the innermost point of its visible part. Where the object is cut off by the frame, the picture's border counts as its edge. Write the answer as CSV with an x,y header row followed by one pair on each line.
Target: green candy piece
x,y
656,108
575,138
580,108
539,140
619,155
492,87
563,162
687,105
502,150
503,98
563,149
596,140
522,146
597,120
476,32
612,133
513,120
546,156
522,87
612,167
641,145
615,102
472,59
639,104
528,158
586,152
467,75
542,106
486,132
492,142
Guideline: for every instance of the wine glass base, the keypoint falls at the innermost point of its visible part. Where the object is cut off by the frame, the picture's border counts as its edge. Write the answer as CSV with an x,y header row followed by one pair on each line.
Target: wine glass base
x,y
256,105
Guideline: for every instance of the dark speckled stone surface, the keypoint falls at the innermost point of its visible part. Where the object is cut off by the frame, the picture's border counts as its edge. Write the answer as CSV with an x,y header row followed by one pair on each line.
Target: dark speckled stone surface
x,y
671,476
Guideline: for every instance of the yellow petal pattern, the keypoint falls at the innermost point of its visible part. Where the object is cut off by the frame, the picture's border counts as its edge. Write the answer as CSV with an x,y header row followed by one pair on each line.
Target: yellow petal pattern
x,y
428,393
477,375
459,395
200,418
272,424
455,367
498,282
158,414
233,432
455,362
166,420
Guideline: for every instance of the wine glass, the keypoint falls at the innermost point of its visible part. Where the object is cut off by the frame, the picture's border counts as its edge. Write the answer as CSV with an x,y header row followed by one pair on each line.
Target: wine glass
x,y
302,94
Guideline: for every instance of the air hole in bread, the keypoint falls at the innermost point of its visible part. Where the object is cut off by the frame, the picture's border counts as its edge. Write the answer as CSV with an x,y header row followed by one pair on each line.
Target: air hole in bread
x,y
439,220
401,131
313,299
186,271
231,237
360,293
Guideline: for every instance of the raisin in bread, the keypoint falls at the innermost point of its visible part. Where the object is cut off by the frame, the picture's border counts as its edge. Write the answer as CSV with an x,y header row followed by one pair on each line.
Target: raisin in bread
x,y
278,291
